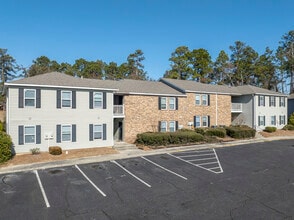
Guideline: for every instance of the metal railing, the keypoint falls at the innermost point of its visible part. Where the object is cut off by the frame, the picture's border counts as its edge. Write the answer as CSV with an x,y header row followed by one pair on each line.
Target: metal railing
x,y
118,110
236,107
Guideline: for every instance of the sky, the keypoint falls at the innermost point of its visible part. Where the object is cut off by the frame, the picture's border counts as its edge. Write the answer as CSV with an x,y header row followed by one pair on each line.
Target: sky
x,y
110,30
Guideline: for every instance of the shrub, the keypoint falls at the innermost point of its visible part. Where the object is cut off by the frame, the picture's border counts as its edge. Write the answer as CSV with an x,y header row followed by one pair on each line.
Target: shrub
x,y
55,150
168,138
270,129
2,126
35,151
291,119
240,132
200,131
219,132
5,147
288,127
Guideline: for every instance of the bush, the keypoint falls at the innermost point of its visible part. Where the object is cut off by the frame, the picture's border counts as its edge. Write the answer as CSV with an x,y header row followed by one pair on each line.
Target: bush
x,y
55,150
218,132
288,127
200,131
35,151
291,119
240,132
5,147
168,138
270,129
2,126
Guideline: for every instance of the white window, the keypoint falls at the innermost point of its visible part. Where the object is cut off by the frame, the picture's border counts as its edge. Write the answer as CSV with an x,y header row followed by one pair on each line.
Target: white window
x,y
97,131
282,119
272,101
66,133
197,99
172,103
282,101
204,121
273,120
261,120
172,126
29,97
97,99
204,99
66,98
163,126
163,103
29,134
261,100
197,121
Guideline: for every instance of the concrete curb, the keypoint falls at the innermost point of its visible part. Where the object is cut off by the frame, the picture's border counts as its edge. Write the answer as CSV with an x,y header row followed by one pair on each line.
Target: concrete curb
x,y
130,154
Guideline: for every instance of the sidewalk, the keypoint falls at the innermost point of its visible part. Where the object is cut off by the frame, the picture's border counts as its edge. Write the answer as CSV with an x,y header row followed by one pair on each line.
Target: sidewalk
x,y
132,153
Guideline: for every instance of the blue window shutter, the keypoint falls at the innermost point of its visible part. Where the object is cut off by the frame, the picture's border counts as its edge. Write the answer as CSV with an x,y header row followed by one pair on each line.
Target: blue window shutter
x,y
177,105
73,99
270,97
91,132
104,100
38,98
58,133
159,103
58,98
38,134
20,135
20,98
194,121
91,100
208,121
74,133
177,125
104,132
208,99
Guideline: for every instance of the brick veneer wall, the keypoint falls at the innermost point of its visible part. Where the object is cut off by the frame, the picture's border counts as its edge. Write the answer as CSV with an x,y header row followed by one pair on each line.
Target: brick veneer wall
x,y
142,113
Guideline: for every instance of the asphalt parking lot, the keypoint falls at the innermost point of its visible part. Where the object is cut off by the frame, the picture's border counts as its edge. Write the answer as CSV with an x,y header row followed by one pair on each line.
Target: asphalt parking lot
x,y
254,181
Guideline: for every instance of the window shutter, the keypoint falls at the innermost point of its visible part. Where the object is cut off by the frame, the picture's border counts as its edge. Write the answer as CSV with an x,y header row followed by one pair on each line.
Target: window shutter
x,y
258,120
38,134
270,99
74,133
20,98
74,99
38,98
159,126
104,100
258,100
177,125
104,132
264,101
208,99
91,100
264,120
159,103
177,105
58,133
208,121
91,132
20,135
58,98
194,121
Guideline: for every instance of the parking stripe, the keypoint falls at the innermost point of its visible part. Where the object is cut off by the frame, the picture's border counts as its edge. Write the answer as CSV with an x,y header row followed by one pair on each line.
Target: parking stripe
x,y
164,168
210,158
195,155
42,189
133,175
220,166
93,184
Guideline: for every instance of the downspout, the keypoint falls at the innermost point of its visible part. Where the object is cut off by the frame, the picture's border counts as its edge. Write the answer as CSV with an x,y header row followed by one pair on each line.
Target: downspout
x,y
253,112
216,108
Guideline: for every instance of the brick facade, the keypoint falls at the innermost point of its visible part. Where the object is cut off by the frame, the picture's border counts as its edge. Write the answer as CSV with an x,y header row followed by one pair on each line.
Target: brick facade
x,y
142,113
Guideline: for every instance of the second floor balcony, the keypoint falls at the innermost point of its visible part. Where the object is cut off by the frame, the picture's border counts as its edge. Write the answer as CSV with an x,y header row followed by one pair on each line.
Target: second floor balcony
x,y
236,107
118,111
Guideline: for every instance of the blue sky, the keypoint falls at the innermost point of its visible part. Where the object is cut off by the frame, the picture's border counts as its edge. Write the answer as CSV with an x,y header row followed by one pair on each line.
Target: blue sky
x,y
109,30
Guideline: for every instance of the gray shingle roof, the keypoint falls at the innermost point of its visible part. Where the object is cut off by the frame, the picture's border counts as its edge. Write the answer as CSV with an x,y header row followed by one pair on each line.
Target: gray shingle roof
x,y
248,89
291,96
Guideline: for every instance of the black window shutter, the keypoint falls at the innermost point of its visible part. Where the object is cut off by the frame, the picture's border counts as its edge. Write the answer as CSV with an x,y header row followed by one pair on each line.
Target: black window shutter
x,y
38,98
20,135
194,121
74,99
208,121
90,132
38,134
159,126
264,101
58,98
74,133
208,99
91,100
20,98
177,125
104,132
258,120
270,103
159,103
58,133
258,100
264,120
104,100
177,105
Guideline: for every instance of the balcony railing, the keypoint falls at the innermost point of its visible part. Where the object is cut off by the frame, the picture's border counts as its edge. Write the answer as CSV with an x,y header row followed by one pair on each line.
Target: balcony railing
x,y
236,107
118,110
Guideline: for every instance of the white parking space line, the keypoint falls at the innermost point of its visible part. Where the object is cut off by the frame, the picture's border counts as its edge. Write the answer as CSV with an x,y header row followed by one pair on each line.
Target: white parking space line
x,y
203,159
172,172
200,164
93,184
133,175
42,189
193,151
220,166
196,155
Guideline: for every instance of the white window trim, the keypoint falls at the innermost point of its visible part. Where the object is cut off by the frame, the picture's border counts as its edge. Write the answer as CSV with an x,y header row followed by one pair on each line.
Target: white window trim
x,y
66,99
24,134
161,126
197,95
200,121
263,119
282,102
206,100
24,98
94,100
206,121
166,103
170,126
272,100
261,104
173,98
97,132
70,132
274,121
